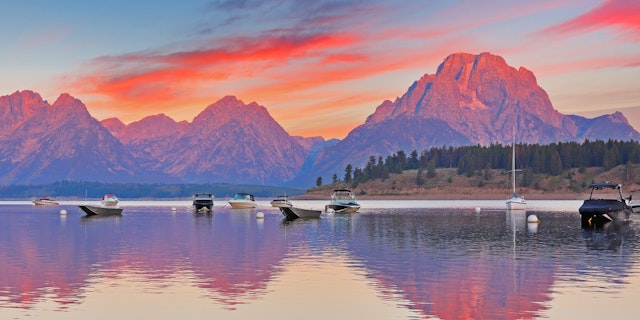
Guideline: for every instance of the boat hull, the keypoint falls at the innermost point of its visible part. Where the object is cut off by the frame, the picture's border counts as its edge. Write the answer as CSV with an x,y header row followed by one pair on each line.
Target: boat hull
x,y
342,208
296,213
100,211
516,204
203,205
45,202
596,212
242,204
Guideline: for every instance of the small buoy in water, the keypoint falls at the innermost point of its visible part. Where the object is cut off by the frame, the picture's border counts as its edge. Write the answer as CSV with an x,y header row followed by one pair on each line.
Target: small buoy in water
x,y
532,218
477,209
260,215
173,209
63,212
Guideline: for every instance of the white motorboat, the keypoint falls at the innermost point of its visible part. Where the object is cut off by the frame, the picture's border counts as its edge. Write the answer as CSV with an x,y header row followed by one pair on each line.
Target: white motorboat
x,y
342,201
281,201
45,202
109,200
243,201
515,203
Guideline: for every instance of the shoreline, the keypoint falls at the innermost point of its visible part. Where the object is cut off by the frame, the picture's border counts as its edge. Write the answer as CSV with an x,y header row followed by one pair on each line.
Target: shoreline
x,y
453,196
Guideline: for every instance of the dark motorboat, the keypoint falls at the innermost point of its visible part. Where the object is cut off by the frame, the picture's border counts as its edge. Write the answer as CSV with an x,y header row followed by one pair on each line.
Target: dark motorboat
x,y
342,201
203,201
603,207
91,210
292,213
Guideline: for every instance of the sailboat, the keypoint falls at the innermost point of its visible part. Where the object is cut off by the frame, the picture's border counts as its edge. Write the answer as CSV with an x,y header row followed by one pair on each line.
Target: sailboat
x,y
515,203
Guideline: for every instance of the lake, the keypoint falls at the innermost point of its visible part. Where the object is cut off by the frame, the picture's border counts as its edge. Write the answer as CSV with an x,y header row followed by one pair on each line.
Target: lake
x,y
393,260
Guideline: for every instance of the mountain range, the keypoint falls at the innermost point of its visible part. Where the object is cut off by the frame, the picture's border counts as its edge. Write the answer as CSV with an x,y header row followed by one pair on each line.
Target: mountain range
x,y
471,99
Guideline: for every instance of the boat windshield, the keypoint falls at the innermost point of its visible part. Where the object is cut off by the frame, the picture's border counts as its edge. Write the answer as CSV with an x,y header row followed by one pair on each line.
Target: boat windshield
x,y
344,201
243,196
344,197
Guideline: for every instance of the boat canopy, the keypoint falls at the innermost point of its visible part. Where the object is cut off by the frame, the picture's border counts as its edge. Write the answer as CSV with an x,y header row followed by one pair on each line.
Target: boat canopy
x,y
605,185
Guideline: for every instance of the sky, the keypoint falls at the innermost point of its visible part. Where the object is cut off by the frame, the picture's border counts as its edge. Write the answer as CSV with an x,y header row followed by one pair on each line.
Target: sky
x,y
319,67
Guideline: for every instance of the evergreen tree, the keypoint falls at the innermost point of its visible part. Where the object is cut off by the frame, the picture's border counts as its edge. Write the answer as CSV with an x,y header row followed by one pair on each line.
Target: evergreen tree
x,y
431,169
419,179
357,175
555,163
628,174
347,173
487,172
413,162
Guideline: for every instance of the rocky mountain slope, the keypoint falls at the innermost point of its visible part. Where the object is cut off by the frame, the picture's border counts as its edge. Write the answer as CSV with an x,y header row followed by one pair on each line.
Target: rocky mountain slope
x,y
472,99
44,143
230,142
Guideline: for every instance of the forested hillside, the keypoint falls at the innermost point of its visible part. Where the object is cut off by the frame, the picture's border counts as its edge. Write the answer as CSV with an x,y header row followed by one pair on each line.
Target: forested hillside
x,y
568,167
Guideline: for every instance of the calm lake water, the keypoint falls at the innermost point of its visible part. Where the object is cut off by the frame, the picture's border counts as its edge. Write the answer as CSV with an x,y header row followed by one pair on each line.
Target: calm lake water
x,y
393,260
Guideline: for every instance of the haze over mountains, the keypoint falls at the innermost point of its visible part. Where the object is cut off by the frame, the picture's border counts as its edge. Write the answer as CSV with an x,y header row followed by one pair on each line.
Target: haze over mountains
x,y
472,99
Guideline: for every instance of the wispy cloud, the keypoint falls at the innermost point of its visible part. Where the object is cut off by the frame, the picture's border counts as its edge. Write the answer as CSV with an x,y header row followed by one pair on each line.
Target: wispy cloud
x,y
305,38
618,16
147,76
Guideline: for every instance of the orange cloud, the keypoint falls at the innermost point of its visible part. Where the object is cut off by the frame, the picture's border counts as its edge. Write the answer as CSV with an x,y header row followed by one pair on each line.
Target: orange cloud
x,y
150,77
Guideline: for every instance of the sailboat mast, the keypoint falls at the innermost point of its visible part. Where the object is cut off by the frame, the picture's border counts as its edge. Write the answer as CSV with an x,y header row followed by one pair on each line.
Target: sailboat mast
x,y
513,164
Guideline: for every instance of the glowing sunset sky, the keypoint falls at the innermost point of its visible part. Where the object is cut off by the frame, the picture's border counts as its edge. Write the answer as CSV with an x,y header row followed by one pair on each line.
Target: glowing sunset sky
x,y
319,67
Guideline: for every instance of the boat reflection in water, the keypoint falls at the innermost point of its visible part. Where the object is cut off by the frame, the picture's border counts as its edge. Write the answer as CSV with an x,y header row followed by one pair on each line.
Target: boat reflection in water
x,y
388,263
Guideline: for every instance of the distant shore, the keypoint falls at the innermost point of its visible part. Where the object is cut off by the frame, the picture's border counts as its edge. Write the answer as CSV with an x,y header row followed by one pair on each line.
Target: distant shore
x,y
453,196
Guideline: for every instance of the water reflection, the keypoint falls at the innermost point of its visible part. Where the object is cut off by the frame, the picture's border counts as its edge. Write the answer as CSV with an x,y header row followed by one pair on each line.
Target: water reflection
x,y
455,265
419,263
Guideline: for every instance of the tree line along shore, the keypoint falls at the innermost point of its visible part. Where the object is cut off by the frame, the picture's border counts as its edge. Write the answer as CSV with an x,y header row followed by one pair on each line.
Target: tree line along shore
x,y
494,185
554,171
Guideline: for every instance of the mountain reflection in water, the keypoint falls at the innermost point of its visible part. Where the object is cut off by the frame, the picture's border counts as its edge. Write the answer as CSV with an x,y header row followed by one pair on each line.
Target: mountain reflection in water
x,y
380,263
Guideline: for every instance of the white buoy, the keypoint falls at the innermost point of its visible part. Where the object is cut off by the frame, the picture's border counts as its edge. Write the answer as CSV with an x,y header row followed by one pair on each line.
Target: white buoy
x,y
260,215
532,218
477,209
63,212
173,209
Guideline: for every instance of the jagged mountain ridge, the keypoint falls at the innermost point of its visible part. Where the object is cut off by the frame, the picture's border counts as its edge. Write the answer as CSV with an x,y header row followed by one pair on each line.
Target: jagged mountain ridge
x,y
43,143
475,99
227,142
483,98
231,141
472,99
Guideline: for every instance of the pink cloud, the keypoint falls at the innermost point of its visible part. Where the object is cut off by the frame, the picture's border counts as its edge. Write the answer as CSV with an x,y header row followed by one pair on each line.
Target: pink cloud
x,y
589,63
151,77
620,15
